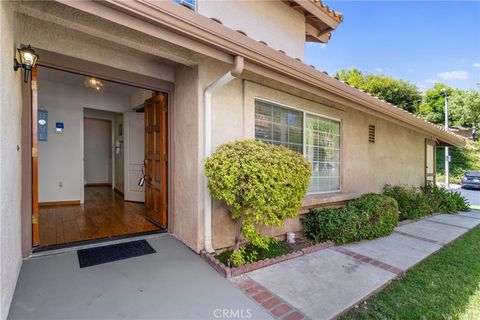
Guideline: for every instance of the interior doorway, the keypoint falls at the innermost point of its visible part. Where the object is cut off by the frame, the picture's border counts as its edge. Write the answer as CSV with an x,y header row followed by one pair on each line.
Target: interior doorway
x,y
87,148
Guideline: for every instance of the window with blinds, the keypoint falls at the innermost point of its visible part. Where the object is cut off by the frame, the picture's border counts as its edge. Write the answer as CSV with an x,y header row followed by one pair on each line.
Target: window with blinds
x,y
316,137
279,125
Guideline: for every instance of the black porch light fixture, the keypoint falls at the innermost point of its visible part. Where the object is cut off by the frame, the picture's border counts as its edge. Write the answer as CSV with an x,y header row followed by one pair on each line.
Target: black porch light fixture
x,y
28,58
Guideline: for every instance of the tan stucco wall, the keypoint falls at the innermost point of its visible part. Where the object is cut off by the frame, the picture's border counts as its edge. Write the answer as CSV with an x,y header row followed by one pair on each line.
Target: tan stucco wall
x,y
397,156
10,159
273,22
233,114
185,160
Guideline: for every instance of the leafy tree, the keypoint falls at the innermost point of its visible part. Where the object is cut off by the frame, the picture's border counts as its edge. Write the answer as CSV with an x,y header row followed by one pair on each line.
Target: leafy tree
x,y
262,184
465,108
433,104
398,92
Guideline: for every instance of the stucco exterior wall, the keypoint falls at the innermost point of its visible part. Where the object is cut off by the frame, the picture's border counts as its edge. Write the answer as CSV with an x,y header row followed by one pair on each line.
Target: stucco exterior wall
x,y
273,22
56,38
397,156
10,159
186,158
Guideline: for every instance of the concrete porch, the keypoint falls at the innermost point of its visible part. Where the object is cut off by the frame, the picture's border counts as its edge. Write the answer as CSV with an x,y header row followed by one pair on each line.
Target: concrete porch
x,y
174,283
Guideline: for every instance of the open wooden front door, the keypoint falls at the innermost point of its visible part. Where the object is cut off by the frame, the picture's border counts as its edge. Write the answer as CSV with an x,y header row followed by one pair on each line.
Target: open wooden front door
x,y
35,235
156,159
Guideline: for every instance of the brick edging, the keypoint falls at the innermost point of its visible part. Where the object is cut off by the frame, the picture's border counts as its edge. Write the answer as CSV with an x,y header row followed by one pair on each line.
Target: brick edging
x,y
418,237
231,272
267,300
447,224
408,221
374,262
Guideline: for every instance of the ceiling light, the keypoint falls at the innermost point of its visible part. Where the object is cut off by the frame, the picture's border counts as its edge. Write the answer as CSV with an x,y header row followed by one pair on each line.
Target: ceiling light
x,y
94,83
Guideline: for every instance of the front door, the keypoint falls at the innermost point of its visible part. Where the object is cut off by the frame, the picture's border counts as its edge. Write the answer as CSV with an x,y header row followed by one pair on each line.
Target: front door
x,y
430,162
156,159
134,135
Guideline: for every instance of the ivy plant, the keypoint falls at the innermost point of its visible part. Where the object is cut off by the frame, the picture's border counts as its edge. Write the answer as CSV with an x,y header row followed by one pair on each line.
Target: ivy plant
x,y
262,184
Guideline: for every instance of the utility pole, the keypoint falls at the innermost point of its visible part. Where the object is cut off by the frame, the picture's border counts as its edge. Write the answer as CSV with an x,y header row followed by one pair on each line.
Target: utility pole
x,y
447,155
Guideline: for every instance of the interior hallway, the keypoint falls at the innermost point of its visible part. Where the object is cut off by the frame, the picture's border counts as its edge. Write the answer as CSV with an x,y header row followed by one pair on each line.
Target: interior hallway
x,y
104,214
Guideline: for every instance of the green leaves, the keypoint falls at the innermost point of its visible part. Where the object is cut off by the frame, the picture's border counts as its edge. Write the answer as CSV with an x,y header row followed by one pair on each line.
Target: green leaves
x,y
368,217
263,183
415,203
398,92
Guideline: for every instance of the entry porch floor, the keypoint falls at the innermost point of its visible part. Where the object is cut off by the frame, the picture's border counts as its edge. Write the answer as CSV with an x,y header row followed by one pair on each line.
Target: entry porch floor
x,y
174,283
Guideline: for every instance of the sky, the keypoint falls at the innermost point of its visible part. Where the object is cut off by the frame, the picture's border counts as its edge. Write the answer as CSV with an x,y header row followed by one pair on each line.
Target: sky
x,y
425,42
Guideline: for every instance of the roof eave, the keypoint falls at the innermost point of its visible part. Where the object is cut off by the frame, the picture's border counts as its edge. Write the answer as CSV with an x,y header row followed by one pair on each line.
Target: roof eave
x,y
222,39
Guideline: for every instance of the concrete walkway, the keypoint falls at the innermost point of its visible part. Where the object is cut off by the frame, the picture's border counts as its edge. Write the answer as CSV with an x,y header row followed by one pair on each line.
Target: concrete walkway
x,y
324,284
174,283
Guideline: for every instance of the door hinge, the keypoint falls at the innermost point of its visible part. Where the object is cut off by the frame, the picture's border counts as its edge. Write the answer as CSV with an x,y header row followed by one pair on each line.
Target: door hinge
x,y
34,152
165,157
34,219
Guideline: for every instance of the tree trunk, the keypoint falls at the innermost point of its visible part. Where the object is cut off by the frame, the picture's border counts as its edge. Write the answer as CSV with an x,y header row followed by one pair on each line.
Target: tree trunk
x,y
238,233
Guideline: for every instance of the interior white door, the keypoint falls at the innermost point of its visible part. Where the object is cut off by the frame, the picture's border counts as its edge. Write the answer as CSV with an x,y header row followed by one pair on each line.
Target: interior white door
x,y
97,149
134,144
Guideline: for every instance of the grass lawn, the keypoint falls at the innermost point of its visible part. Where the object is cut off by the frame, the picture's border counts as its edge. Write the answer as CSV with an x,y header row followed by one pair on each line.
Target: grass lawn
x,y
444,286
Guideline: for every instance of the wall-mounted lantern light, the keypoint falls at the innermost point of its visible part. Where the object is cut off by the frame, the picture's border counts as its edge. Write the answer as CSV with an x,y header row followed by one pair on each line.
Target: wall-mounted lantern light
x,y
28,58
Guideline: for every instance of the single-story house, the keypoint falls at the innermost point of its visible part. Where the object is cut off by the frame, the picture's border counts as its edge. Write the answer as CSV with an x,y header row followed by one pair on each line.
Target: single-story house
x,y
125,90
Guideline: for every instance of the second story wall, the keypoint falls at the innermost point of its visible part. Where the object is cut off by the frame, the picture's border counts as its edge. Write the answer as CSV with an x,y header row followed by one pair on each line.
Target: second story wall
x,y
273,22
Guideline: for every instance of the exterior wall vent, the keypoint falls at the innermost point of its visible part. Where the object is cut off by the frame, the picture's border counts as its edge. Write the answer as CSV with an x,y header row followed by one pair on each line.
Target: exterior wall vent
x,y
371,133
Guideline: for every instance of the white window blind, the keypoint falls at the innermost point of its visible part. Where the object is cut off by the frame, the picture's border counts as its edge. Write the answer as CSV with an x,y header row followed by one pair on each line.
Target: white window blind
x,y
316,137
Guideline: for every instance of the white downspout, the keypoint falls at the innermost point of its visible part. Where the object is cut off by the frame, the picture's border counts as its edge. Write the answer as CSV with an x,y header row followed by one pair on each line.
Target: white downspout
x,y
207,144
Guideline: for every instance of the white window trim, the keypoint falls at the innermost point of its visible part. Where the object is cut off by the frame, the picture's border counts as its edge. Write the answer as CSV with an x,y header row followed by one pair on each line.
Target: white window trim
x,y
304,137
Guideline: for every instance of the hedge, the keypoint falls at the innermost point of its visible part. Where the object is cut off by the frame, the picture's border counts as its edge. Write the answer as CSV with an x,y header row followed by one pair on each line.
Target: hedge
x,y
368,217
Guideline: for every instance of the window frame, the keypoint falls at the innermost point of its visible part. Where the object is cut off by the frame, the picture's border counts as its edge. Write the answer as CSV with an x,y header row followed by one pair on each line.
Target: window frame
x,y
304,136
185,4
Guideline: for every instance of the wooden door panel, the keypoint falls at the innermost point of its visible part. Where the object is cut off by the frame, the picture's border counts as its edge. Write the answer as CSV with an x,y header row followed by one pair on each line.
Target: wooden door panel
x,y
156,159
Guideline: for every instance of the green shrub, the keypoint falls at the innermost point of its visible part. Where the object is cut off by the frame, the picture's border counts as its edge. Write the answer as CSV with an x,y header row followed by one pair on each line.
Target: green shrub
x,y
445,201
262,184
415,203
412,202
463,159
368,217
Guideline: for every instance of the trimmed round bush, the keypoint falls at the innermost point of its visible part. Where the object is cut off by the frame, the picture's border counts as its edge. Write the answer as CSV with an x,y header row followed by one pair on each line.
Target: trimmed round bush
x,y
368,217
262,184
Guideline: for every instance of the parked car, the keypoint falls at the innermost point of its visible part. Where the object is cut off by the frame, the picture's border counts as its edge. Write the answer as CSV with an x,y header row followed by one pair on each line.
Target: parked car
x,y
471,179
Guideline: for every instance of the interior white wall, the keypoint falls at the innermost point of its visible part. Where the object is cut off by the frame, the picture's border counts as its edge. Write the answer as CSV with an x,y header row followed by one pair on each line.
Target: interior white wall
x,y
10,159
97,150
61,157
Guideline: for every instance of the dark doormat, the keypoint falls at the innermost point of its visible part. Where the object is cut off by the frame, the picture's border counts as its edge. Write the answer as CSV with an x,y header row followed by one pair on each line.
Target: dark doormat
x,y
93,256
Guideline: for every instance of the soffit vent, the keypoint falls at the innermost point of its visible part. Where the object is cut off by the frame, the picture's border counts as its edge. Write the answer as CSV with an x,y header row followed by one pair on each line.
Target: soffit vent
x,y
371,133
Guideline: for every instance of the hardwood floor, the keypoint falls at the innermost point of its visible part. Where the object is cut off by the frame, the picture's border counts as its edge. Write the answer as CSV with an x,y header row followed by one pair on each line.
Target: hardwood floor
x,y
104,214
